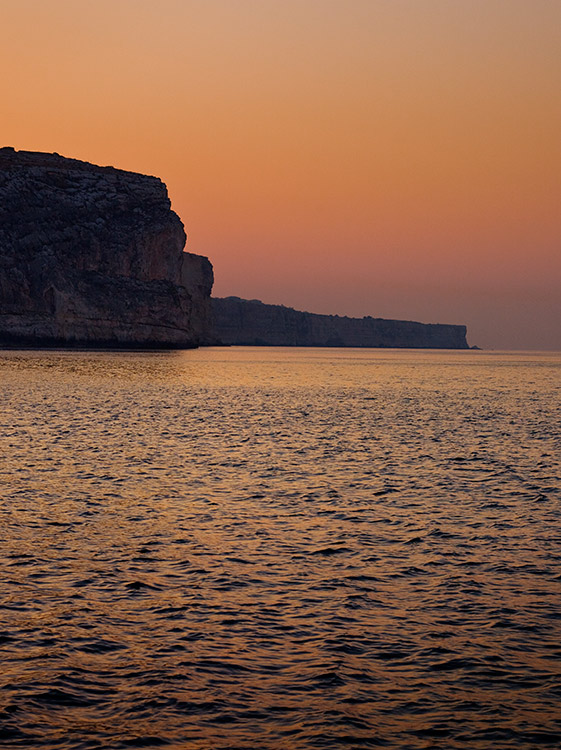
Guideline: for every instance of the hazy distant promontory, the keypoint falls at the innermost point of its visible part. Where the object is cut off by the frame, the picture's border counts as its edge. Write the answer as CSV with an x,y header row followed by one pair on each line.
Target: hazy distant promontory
x,y
252,323
93,256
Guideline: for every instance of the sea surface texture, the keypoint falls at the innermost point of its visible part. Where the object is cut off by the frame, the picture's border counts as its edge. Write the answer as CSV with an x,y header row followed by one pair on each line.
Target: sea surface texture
x,y
280,549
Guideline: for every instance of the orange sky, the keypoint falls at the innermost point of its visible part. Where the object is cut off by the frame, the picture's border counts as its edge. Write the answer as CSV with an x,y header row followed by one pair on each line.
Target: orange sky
x,y
394,158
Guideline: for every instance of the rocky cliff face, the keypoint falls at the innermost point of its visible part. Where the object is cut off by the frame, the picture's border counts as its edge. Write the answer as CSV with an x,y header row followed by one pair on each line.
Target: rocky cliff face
x,y
197,278
250,322
94,256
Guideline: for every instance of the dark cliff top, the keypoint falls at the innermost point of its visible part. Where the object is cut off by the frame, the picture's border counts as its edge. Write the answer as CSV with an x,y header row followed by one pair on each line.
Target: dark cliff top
x,y
10,158
33,183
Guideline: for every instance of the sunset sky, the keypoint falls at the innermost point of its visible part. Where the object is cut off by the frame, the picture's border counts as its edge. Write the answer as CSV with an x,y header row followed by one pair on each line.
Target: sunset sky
x,y
393,158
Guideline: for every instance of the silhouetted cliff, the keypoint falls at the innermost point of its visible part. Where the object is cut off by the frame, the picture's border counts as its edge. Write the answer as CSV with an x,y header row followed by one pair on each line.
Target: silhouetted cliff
x,y
250,322
94,256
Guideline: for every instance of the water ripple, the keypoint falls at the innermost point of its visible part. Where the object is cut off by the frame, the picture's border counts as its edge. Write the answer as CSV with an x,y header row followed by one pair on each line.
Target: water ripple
x,y
279,549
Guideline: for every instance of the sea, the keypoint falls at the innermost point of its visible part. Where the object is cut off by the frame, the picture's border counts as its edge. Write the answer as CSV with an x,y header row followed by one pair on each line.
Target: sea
x,y
280,549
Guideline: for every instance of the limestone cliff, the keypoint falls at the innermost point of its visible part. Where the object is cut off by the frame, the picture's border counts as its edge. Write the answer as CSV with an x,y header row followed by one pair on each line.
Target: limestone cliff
x,y
94,256
250,322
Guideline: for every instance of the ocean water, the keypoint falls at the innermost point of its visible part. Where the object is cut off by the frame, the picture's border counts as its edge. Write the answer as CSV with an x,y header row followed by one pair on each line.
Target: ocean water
x,y
280,549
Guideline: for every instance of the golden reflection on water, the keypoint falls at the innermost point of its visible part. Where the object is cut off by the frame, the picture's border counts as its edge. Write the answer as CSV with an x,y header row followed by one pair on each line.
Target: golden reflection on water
x,y
280,548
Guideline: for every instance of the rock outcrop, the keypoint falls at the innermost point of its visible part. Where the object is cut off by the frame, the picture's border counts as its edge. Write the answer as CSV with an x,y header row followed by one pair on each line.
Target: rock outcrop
x,y
253,323
93,256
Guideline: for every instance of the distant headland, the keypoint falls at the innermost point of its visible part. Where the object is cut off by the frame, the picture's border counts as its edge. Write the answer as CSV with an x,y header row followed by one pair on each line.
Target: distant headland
x,y
94,256
253,323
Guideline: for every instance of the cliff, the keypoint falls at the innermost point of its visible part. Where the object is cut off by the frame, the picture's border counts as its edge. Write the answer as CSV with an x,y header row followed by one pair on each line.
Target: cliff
x,y
250,322
93,256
